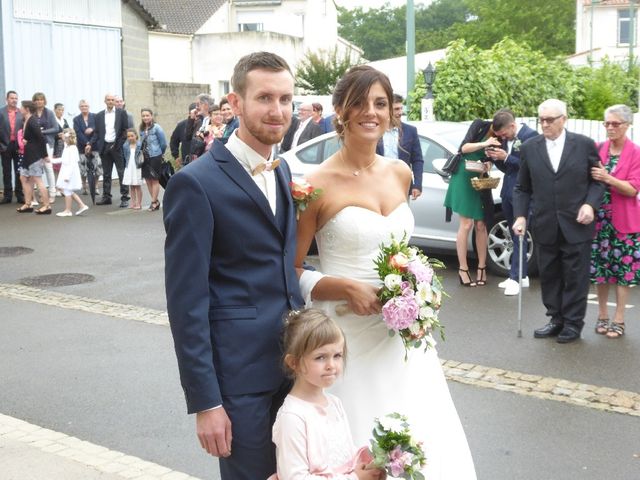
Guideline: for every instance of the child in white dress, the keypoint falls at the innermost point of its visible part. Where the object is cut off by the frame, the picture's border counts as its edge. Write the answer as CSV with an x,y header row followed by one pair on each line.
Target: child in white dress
x,y
311,431
132,173
69,178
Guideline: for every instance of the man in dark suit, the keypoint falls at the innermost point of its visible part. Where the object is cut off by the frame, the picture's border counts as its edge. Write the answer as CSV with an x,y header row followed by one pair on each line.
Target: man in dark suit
x,y
555,169
10,122
404,143
180,142
302,129
111,133
507,159
120,104
231,225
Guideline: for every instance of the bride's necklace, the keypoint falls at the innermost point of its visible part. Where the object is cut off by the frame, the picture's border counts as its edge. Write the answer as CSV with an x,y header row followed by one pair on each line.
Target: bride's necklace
x,y
355,173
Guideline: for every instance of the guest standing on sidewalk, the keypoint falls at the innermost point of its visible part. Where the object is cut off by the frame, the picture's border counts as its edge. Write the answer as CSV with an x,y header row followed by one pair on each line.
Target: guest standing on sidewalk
x,y
154,144
615,252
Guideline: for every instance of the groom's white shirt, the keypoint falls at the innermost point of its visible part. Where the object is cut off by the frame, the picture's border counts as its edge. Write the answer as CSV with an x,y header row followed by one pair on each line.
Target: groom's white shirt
x,y
250,159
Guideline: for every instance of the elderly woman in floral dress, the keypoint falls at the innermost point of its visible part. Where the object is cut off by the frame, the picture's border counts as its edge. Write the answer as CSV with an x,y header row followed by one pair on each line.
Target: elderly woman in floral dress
x,y
615,253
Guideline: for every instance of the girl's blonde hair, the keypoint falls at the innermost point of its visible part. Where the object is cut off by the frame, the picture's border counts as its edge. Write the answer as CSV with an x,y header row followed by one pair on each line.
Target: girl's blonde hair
x,y
70,136
307,330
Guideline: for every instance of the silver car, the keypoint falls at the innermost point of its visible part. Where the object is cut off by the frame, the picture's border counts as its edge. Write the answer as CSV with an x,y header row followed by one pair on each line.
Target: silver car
x,y
439,140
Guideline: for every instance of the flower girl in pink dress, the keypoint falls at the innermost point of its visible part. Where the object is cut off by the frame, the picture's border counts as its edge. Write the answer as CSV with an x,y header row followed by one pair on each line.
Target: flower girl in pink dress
x,y
311,431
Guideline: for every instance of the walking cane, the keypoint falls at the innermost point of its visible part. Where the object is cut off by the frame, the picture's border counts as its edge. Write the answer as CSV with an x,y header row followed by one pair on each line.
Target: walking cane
x,y
520,260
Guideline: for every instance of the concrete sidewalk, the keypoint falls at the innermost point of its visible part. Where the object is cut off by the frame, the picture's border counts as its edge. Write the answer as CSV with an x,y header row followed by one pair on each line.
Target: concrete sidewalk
x,y
29,452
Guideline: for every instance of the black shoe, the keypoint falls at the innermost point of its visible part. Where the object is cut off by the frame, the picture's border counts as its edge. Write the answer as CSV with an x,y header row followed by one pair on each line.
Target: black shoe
x,y
5,200
20,200
104,201
549,330
124,204
568,335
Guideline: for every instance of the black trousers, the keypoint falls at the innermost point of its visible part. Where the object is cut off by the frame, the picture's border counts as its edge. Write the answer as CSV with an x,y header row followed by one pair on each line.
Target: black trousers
x,y
111,156
9,157
564,280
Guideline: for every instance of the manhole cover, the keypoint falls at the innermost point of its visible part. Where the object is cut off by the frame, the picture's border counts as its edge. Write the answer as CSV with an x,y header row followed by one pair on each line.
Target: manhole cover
x,y
14,251
57,280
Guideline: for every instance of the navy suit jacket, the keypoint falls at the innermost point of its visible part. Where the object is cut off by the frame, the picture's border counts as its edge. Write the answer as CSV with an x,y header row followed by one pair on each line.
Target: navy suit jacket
x,y
511,165
79,126
409,151
230,278
121,124
5,127
558,195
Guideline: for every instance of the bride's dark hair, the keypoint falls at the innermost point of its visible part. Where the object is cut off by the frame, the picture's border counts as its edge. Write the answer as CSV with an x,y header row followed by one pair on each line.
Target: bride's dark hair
x,y
306,330
352,90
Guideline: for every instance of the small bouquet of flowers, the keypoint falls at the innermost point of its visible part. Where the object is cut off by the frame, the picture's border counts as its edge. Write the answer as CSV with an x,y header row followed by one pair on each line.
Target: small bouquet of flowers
x,y
303,193
393,449
411,295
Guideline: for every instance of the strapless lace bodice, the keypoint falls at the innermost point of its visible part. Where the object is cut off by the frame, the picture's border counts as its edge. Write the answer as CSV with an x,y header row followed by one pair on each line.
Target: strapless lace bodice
x,y
350,242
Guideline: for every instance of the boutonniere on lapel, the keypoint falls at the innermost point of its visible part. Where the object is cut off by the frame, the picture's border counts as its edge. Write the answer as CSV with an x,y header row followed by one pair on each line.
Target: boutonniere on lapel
x,y
303,193
516,145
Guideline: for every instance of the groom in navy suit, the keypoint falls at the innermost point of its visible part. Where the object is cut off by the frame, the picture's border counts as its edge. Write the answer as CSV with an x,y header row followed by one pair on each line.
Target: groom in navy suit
x,y
230,276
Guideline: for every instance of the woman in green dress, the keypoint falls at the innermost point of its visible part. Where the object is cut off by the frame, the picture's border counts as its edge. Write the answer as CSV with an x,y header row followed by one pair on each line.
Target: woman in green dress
x,y
472,206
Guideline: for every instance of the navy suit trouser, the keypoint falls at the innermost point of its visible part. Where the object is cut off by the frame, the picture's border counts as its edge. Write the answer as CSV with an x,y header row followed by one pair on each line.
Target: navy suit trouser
x,y
253,454
507,209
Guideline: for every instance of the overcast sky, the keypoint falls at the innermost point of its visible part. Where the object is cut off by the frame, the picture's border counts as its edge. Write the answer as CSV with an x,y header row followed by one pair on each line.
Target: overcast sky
x,y
377,3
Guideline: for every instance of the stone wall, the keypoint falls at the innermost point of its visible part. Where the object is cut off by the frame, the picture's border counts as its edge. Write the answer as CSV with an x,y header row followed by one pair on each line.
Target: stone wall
x,y
137,89
171,102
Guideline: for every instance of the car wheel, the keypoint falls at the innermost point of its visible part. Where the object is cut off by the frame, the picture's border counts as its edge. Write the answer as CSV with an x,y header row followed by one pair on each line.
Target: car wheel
x,y
500,250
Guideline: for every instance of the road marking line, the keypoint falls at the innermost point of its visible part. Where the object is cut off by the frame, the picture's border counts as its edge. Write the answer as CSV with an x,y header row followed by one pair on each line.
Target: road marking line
x,y
584,395
86,453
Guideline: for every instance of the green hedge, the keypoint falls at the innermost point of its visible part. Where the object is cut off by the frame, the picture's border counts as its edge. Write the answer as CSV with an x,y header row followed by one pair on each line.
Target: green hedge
x,y
473,83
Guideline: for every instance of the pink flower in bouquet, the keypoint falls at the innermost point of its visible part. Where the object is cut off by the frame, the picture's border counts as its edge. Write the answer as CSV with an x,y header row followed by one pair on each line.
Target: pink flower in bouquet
x,y
399,261
400,312
399,460
422,272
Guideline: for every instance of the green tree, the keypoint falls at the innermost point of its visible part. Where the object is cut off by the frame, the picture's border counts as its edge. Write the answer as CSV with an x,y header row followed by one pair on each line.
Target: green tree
x,y
318,72
379,32
547,26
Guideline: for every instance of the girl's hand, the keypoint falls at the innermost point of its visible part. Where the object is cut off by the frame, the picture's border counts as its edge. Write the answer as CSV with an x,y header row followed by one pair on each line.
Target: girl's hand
x,y
363,474
363,298
492,142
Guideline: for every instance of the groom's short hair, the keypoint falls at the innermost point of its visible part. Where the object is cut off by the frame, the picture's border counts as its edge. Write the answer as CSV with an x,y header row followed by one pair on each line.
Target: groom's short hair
x,y
256,61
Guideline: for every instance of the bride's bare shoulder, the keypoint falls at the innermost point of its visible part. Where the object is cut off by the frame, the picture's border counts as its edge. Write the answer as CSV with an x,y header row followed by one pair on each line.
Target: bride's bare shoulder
x,y
326,173
398,167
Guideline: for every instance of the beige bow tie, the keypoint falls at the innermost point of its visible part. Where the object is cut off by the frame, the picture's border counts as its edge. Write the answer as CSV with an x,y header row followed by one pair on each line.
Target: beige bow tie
x,y
266,166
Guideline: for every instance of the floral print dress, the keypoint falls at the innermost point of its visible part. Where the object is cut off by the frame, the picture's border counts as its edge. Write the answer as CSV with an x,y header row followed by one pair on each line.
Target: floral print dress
x,y
615,257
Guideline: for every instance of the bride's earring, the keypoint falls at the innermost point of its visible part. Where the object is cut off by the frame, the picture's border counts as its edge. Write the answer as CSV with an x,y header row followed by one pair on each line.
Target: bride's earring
x,y
339,120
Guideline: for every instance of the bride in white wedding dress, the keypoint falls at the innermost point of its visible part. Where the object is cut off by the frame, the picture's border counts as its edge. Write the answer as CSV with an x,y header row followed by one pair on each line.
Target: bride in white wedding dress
x,y
364,202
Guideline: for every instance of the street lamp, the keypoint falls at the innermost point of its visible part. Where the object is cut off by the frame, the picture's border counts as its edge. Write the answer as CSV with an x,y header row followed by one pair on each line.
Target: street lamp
x,y
429,77
427,102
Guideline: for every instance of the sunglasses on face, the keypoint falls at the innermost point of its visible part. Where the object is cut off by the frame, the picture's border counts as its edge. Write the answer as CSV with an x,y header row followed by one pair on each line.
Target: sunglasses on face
x,y
613,124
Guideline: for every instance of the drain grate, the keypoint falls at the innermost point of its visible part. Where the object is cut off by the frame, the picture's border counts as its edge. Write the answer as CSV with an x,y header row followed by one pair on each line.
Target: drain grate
x,y
14,251
57,280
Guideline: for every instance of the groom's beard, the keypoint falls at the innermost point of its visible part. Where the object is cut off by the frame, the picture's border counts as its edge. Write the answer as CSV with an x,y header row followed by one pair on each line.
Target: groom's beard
x,y
267,130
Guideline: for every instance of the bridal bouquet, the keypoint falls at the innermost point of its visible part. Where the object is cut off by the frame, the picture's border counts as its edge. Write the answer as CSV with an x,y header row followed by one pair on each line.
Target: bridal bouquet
x,y
393,449
303,193
411,295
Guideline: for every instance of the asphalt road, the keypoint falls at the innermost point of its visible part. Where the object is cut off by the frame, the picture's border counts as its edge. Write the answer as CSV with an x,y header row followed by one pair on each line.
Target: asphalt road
x,y
114,382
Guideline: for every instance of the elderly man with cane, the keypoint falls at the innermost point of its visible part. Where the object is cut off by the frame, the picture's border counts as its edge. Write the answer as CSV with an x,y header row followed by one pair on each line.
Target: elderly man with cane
x,y
556,169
